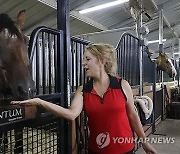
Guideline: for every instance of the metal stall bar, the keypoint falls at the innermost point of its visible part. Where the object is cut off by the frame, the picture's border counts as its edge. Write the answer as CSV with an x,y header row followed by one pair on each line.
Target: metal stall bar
x,y
128,51
50,62
154,100
49,83
63,24
178,62
43,63
161,48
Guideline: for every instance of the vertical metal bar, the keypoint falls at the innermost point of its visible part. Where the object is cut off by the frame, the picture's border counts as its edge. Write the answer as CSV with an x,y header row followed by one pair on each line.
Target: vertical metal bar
x,y
138,62
84,75
50,62
55,63
127,58
139,24
53,132
117,56
37,65
45,138
41,138
173,56
120,62
154,100
32,139
130,60
161,37
63,24
161,51
77,66
160,27
178,62
37,140
11,140
124,56
27,137
44,62
81,66
72,66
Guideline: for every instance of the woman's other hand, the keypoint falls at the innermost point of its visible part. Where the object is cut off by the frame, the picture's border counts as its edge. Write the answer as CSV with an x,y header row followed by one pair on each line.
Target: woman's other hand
x,y
148,148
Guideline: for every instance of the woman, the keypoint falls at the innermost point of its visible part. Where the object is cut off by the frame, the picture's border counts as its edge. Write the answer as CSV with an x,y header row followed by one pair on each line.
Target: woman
x,y
108,102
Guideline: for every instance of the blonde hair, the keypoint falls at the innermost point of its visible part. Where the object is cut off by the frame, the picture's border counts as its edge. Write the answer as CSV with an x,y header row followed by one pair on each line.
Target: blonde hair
x,y
107,53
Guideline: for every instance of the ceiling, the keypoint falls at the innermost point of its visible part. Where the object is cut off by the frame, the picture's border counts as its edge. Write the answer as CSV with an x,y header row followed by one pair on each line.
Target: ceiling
x,y
43,13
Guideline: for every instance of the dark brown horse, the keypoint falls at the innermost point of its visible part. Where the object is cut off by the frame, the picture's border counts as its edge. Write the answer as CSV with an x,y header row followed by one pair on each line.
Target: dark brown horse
x,y
15,78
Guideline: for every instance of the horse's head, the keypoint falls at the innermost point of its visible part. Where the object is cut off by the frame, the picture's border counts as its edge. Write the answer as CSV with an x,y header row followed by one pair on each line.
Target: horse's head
x,y
165,64
15,77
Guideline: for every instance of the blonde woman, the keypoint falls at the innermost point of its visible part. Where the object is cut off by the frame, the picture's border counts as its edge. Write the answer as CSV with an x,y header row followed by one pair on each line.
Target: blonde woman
x,y
109,104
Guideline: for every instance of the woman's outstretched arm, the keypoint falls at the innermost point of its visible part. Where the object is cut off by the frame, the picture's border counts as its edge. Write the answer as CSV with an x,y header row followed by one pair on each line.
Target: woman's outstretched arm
x,y
69,113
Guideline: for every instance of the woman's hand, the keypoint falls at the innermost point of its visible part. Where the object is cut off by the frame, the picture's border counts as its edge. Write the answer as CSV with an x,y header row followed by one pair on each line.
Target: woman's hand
x,y
29,102
148,148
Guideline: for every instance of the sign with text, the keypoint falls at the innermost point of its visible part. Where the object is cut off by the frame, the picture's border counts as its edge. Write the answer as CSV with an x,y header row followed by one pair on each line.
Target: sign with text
x,y
11,113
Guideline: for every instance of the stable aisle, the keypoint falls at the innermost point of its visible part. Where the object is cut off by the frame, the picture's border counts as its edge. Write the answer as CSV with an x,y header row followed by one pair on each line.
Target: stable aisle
x,y
167,131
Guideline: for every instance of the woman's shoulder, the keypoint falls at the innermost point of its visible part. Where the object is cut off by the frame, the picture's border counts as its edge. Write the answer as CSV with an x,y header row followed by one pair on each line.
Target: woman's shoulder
x,y
123,81
119,78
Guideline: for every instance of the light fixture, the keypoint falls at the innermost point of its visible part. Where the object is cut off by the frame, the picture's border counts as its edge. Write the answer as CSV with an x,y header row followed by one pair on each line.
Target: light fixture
x,y
102,6
155,41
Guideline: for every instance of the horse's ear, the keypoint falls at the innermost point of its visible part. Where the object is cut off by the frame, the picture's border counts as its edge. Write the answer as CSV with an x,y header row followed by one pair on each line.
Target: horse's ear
x,y
165,55
20,19
160,53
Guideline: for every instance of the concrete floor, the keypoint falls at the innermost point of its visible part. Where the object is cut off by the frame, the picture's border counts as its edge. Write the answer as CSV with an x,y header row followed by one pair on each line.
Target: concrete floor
x,y
166,130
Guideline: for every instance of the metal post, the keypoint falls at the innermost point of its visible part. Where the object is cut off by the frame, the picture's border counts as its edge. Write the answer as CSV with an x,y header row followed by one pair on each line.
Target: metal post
x,y
63,23
161,37
139,25
178,62
161,51
160,27
174,61
154,101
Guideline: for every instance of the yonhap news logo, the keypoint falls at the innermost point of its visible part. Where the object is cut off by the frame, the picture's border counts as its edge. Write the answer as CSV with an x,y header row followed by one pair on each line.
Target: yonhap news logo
x,y
103,140
156,140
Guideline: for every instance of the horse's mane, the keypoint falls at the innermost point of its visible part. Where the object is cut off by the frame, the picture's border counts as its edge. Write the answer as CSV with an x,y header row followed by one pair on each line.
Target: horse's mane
x,y
7,22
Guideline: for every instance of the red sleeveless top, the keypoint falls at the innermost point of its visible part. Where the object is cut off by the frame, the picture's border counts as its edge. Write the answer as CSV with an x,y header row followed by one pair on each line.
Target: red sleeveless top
x,y
110,131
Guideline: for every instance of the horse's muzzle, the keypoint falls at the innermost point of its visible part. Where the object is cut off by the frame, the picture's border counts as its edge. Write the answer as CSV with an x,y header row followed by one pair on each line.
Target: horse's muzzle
x,y
31,92
26,94
172,75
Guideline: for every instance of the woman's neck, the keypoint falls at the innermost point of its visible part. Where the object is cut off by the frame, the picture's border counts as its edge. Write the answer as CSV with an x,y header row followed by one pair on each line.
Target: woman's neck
x,y
101,84
101,79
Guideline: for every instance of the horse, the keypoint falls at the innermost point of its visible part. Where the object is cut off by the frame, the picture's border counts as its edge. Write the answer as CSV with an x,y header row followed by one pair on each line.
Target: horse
x,y
165,64
15,78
